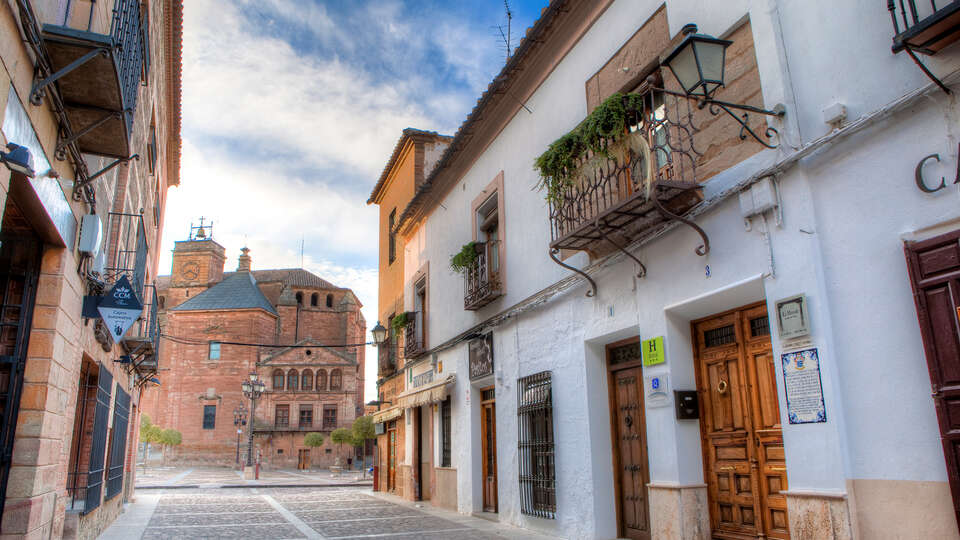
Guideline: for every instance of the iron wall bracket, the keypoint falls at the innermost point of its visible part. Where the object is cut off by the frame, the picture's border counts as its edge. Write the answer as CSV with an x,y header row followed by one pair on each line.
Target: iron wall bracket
x,y
593,285
39,88
82,184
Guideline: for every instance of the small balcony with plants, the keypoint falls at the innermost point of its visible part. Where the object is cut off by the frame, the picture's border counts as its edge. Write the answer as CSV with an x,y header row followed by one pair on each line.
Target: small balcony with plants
x,y
410,325
478,262
925,26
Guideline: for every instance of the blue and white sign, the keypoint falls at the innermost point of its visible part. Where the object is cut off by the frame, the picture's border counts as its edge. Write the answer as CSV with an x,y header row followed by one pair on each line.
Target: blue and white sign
x,y
801,380
120,308
657,390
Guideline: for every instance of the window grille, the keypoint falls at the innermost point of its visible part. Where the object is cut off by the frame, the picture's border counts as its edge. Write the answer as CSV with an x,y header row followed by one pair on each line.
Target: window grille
x,y
538,483
98,446
282,417
118,446
329,416
626,353
306,416
760,326
715,337
209,416
445,432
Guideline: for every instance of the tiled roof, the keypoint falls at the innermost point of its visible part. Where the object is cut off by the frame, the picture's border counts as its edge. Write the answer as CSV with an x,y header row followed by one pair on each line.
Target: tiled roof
x,y
238,291
407,134
293,277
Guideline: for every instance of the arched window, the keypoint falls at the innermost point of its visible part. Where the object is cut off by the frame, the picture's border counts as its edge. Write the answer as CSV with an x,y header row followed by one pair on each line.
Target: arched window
x,y
321,379
306,380
314,298
277,379
292,379
329,300
336,379
299,298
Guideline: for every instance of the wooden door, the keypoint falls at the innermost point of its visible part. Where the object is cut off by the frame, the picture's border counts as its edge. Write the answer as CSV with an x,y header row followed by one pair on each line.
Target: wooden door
x,y
488,427
392,456
629,431
303,459
934,266
425,443
744,463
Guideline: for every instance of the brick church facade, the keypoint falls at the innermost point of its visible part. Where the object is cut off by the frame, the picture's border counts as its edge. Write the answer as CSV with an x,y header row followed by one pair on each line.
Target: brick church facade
x,y
300,333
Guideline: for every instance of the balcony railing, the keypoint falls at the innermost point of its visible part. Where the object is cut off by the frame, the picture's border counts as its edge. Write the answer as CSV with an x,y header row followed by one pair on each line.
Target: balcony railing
x,y
481,285
413,345
142,340
127,244
97,72
387,358
637,184
924,26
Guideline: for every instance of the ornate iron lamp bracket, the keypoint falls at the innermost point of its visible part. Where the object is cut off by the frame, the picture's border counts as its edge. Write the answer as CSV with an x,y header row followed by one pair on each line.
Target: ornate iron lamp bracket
x,y
593,285
715,106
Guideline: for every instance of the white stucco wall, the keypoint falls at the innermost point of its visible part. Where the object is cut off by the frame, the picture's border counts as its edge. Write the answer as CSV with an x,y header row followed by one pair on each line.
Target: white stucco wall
x,y
846,210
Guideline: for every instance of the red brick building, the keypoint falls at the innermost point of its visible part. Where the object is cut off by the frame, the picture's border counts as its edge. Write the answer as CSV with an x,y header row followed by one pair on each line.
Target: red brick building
x,y
300,333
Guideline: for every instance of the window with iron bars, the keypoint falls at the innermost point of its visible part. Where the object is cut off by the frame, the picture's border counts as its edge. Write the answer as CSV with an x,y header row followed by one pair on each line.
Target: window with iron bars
x,y
538,481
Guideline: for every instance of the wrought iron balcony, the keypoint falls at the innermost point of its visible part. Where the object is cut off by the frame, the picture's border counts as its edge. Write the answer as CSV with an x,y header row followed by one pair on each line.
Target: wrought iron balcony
x,y
97,74
481,285
127,251
142,341
924,28
413,345
387,353
634,186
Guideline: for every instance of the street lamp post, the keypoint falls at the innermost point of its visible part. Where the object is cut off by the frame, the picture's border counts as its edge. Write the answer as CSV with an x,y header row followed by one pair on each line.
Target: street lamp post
x,y
239,420
252,389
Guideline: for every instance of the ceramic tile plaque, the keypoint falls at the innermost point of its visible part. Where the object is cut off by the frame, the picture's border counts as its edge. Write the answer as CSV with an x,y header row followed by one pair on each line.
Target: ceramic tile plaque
x,y
801,380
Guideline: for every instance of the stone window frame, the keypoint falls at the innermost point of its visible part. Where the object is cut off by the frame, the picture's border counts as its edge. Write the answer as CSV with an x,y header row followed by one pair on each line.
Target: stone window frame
x,y
281,415
336,379
314,299
321,376
209,420
494,189
329,300
293,380
283,378
305,409
306,380
329,420
213,350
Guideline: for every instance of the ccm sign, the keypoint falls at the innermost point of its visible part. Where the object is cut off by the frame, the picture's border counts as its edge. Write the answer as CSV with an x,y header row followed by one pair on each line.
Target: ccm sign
x,y
120,308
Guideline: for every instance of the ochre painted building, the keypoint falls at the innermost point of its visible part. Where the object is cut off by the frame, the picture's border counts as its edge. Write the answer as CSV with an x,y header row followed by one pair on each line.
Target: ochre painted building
x,y
301,334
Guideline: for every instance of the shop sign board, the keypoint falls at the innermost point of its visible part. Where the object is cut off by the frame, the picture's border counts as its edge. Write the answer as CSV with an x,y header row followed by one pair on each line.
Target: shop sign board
x,y
804,389
120,308
793,318
653,352
481,356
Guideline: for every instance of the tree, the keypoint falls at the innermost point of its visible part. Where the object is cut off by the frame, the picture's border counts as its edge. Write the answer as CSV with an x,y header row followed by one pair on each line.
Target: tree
x,y
149,434
363,430
313,439
168,438
340,436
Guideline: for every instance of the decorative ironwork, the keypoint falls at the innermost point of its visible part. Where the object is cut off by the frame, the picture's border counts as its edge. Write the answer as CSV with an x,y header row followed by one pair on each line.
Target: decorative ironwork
x,y
926,30
645,180
481,285
538,479
716,337
98,447
760,326
142,341
481,356
413,335
715,107
128,251
626,353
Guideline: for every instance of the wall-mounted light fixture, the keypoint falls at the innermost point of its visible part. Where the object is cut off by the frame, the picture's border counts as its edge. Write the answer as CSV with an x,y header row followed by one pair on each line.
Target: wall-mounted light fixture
x,y
698,63
379,334
17,159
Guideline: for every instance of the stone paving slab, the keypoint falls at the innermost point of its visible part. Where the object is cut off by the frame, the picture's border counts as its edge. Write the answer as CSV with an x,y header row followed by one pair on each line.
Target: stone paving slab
x,y
378,525
212,508
337,514
274,531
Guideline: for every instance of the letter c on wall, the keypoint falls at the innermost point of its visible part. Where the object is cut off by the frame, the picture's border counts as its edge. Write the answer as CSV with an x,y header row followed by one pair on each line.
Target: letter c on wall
x,y
919,175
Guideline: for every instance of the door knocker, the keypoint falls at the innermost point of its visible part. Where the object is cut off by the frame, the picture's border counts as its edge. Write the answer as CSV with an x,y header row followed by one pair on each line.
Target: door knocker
x,y
722,387
628,421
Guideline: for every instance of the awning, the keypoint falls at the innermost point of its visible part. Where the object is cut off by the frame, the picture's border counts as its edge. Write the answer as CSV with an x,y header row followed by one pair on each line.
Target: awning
x,y
387,414
432,393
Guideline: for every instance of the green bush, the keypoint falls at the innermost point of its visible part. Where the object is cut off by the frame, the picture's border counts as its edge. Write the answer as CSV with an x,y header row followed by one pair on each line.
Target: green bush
x,y
462,261
313,439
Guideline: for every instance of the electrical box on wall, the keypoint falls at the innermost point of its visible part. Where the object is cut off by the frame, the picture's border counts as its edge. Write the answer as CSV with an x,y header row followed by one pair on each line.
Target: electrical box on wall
x,y
688,407
91,234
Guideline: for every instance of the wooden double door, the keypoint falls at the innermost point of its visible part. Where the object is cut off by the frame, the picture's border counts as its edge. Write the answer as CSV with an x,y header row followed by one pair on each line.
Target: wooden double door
x,y
303,459
743,459
628,429
934,267
392,455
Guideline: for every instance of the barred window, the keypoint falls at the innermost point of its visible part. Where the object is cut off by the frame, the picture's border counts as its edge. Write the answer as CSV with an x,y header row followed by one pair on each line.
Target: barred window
x,y
306,415
329,417
209,416
445,434
538,482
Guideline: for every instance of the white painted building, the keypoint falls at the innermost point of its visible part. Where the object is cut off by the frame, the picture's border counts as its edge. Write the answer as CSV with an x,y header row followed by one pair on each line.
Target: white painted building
x,y
845,205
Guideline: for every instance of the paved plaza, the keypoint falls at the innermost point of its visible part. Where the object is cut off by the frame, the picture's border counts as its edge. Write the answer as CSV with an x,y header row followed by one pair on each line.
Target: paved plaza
x,y
277,513
158,477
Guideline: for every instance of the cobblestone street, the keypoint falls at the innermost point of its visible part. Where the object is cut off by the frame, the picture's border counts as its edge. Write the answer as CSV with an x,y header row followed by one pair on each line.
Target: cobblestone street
x,y
278,513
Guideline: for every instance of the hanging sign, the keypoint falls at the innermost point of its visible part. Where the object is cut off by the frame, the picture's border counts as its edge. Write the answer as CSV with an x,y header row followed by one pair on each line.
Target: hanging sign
x,y
801,380
120,308
653,351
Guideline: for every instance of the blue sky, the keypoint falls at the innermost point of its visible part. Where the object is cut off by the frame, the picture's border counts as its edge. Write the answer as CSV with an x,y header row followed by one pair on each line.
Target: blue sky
x,y
292,107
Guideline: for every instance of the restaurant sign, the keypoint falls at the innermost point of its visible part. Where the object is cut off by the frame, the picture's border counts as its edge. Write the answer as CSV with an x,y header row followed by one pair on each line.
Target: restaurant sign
x,y
481,356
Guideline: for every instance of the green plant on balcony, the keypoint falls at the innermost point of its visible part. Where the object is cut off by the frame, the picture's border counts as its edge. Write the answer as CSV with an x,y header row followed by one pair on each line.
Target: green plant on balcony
x,y
400,321
467,256
601,135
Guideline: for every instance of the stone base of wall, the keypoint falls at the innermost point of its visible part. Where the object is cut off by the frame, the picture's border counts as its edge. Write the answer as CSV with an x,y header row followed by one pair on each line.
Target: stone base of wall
x,y
904,509
820,515
445,489
679,512
94,523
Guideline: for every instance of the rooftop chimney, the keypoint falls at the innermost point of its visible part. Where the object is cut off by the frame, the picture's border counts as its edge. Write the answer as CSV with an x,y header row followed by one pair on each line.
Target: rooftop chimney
x,y
243,261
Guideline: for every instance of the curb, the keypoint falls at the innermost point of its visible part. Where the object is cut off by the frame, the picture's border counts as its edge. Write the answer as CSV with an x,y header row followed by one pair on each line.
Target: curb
x,y
234,486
